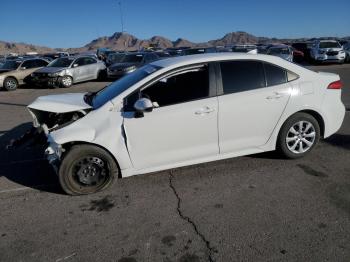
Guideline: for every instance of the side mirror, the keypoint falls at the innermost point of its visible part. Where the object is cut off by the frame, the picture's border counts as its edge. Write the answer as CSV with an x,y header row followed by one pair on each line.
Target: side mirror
x,y
75,65
143,105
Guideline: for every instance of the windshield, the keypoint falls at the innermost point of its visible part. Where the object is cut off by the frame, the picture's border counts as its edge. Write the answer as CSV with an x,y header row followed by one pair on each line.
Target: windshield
x,y
115,58
11,65
119,86
61,62
329,45
132,58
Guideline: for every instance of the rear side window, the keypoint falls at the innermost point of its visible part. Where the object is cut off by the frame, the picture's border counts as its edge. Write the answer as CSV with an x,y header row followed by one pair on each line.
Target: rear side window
x,y
29,64
275,75
240,76
41,63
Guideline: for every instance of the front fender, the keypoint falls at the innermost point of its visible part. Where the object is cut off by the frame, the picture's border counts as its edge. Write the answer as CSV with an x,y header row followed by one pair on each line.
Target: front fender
x,y
73,133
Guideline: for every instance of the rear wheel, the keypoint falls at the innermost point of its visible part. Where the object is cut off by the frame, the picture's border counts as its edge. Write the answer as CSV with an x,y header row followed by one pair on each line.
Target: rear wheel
x,y
66,81
87,169
10,83
298,135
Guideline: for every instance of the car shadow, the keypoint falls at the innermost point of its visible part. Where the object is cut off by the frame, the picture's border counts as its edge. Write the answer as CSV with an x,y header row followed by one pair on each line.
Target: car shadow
x,y
339,140
25,164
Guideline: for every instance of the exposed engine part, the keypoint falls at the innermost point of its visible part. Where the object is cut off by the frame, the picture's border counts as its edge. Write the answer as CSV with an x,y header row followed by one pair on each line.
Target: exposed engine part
x,y
54,121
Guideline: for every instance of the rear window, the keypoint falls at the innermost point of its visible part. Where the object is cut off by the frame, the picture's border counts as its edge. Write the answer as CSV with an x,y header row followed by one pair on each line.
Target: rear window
x,y
239,76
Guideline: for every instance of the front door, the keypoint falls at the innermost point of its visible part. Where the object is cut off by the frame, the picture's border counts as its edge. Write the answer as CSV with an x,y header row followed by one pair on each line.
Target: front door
x,y
183,125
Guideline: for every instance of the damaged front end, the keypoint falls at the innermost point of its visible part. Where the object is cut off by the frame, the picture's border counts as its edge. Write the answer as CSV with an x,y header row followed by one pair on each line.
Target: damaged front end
x,y
47,122
52,113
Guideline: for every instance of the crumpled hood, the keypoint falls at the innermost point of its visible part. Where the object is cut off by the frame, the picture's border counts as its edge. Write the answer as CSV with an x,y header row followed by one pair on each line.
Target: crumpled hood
x,y
50,70
63,103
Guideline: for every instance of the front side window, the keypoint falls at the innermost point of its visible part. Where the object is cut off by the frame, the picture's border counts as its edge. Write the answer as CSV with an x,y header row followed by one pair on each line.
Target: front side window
x,y
41,63
180,88
89,61
240,76
29,64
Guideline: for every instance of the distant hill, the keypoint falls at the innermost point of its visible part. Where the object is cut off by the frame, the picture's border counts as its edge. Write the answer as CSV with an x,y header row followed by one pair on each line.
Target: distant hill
x,y
125,41
21,48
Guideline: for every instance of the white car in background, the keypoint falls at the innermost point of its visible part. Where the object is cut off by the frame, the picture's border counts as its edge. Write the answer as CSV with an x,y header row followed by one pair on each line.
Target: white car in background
x,y
347,51
187,110
327,51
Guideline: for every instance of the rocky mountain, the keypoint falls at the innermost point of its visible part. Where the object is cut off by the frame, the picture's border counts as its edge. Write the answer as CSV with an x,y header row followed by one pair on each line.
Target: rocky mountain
x,y
21,48
125,41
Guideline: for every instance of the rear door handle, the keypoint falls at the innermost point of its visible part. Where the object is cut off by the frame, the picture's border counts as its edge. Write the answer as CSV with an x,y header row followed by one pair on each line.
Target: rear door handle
x,y
275,96
204,110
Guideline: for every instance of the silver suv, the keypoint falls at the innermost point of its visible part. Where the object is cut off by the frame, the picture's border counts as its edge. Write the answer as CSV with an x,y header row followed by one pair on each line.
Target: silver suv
x,y
66,71
327,51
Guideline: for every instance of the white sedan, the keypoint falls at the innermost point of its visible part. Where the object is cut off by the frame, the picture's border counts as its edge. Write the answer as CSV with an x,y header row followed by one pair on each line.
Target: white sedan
x,y
187,110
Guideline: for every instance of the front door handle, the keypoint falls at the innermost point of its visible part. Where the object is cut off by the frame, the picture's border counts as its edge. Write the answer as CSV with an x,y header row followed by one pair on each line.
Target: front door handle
x,y
204,110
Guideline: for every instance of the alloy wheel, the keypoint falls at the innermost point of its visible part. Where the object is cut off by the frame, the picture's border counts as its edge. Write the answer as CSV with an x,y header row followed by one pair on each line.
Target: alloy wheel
x,y
301,137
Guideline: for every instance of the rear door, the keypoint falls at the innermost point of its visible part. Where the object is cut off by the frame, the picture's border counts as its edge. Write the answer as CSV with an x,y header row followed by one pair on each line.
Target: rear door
x,y
92,68
251,104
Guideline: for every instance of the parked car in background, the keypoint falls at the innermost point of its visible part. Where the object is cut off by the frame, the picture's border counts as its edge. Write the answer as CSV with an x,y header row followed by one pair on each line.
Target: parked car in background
x,y
130,63
347,51
282,51
103,53
176,51
13,73
298,56
196,51
66,71
114,58
2,62
171,113
251,49
302,47
327,51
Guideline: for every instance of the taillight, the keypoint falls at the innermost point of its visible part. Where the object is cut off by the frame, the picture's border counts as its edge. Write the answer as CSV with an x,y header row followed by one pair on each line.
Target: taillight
x,y
335,85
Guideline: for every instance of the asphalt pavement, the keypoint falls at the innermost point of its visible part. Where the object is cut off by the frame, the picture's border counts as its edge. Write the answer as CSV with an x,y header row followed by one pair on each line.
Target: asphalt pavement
x,y
252,208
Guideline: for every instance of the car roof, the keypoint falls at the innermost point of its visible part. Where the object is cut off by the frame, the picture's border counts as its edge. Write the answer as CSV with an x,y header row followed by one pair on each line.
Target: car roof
x,y
202,58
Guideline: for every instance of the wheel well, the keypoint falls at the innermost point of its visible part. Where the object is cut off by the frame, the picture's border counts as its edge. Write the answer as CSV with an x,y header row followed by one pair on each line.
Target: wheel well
x,y
11,77
318,118
69,145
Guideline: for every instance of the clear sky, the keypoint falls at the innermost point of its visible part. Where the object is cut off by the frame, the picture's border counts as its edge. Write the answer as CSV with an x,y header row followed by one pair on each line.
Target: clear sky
x,y
74,23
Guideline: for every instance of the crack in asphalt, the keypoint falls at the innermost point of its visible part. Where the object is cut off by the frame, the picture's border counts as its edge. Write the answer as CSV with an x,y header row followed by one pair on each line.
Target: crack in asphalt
x,y
189,220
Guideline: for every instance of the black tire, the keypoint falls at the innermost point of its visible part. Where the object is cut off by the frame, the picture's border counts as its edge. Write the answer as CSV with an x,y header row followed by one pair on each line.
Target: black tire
x,y
102,75
65,81
284,148
75,173
10,83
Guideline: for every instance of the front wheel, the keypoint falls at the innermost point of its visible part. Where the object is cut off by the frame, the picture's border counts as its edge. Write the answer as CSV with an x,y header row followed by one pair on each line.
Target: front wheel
x,y
66,81
10,83
298,136
87,169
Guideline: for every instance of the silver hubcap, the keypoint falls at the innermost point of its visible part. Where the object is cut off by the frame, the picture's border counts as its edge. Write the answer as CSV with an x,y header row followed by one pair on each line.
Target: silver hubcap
x,y
301,137
11,84
67,81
